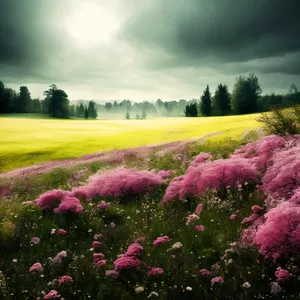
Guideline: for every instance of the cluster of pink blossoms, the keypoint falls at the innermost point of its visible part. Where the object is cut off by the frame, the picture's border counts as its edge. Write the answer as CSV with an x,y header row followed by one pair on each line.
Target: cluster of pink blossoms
x,y
155,272
36,268
129,260
161,240
53,294
99,259
65,280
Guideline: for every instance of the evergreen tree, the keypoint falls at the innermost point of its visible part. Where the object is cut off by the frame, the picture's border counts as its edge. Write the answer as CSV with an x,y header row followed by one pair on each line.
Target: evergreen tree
x,y
245,94
92,110
86,113
56,102
81,110
205,105
24,100
144,115
187,110
127,116
221,101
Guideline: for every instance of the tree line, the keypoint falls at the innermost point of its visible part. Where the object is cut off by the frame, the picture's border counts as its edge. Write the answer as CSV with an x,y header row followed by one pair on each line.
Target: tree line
x,y
55,103
245,99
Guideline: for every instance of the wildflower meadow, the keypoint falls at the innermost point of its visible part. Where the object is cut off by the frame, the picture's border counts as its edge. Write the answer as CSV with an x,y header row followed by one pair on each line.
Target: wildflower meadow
x,y
219,220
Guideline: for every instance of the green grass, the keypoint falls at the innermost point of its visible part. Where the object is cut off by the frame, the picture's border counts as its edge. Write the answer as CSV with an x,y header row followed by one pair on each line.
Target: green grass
x,y
26,139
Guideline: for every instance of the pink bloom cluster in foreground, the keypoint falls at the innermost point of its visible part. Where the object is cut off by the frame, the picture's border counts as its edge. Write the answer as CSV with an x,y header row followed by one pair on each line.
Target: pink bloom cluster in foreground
x,y
215,280
121,182
71,204
161,240
65,280
58,258
36,268
99,259
129,260
214,175
282,275
53,294
155,272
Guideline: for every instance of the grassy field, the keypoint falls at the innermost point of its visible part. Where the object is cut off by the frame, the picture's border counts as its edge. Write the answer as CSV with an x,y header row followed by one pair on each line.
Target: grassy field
x,y
26,140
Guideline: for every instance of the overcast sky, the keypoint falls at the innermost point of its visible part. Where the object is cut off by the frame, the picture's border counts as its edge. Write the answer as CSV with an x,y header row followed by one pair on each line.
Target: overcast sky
x,y
148,49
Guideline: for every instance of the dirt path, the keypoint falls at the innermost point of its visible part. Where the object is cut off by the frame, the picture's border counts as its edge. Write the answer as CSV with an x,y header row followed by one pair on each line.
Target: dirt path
x,y
109,156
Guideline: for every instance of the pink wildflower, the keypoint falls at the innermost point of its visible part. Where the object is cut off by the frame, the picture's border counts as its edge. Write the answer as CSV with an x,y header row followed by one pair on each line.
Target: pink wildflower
x,y
96,244
36,268
233,217
250,219
104,205
58,258
199,228
69,204
65,279
126,262
99,260
246,285
257,209
173,189
134,249
53,294
35,240
62,232
202,157
192,218
165,174
215,280
161,240
50,200
199,209
282,275
205,272
155,272
112,273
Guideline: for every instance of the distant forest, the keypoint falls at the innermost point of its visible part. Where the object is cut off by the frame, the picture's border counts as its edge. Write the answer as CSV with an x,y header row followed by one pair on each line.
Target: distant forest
x,y
245,98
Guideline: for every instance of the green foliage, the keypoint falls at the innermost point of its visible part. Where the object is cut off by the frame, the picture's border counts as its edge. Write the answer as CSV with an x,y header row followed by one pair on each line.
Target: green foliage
x,y
86,113
221,101
282,121
205,105
92,110
127,117
56,102
191,110
245,94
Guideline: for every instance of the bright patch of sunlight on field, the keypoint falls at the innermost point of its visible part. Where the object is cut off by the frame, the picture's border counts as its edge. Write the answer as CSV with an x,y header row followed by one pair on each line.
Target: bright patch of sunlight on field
x,y
27,141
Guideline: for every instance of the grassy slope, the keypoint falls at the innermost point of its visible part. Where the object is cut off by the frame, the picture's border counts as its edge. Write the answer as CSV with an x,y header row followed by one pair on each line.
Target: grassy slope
x,y
26,141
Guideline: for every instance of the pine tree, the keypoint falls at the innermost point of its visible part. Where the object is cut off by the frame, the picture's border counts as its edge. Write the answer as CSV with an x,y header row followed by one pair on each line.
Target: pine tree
x,y
144,115
86,113
221,101
127,116
206,102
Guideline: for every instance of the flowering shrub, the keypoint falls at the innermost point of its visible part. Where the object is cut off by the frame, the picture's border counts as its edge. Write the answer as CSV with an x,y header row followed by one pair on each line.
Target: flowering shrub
x,y
161,240
121,182
50,200
155,272
69,204
36,268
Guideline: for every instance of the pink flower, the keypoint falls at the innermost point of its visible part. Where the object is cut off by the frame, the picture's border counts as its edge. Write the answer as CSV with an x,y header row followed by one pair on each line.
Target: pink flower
x,y
36,268
250,219
161,240
62,232
58,258
65,279
215,280
282,275
134,249
53,294
104,205
199,209
165,174
173,189
205,272
112,273
97,236
199,228
192,219
246,285
201,158
50,200
256,209
35,240
69,204
121,182
99,260
233,217
155,272
126,262
96,244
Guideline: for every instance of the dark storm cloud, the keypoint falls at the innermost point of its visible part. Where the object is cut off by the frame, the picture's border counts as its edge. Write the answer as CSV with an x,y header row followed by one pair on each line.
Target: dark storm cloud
x,y
214,31
29,35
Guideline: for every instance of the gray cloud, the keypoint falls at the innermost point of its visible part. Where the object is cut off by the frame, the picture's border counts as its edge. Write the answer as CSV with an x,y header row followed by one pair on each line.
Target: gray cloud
x,y
169,49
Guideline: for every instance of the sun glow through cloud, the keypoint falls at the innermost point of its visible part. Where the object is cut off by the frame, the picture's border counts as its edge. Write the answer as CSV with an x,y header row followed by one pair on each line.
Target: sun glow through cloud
x,y
92,24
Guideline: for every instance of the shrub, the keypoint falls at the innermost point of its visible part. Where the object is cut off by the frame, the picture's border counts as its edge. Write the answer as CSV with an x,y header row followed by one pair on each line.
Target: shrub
x,y
282,121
